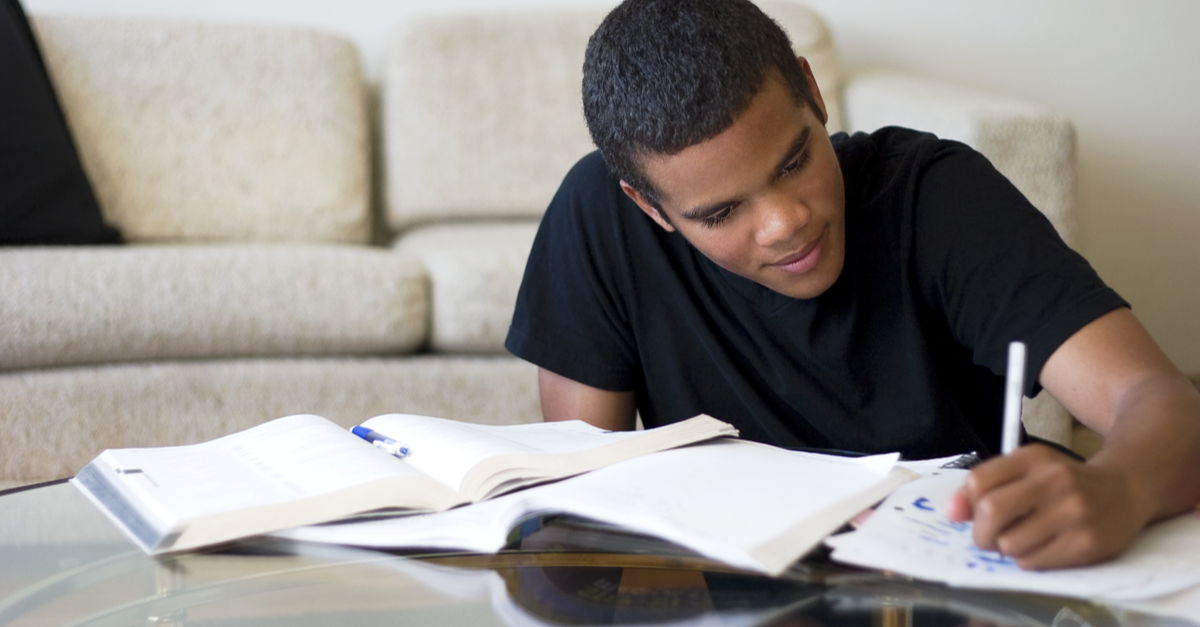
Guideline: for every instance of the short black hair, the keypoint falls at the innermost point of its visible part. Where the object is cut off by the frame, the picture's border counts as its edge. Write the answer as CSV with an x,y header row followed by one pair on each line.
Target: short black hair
x,y
662,75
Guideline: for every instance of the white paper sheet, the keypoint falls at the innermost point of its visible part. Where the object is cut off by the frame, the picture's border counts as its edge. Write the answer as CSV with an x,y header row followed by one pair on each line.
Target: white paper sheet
x,y
746,504
911,534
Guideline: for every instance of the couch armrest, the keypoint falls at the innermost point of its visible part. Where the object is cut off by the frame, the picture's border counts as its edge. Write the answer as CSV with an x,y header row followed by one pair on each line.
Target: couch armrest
x,y
1029,143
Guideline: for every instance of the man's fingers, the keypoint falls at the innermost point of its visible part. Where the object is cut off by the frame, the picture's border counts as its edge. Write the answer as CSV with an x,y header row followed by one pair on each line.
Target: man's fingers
x,y
1005,491
1027,536
1075,547
998,471
960,508
1049,511
1001,508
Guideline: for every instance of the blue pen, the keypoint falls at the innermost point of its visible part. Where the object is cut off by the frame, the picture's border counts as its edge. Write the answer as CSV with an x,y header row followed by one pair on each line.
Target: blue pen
x,y
382,441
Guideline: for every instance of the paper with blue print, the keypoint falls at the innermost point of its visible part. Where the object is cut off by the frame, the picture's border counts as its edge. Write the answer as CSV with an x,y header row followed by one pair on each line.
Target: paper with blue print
x,y
909,533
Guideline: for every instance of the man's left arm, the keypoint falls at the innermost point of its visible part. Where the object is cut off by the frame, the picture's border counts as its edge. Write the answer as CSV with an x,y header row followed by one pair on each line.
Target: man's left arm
x,y
1049,511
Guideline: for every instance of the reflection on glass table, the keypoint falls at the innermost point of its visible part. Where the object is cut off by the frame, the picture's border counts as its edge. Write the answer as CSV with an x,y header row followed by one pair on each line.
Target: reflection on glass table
x,y
63,563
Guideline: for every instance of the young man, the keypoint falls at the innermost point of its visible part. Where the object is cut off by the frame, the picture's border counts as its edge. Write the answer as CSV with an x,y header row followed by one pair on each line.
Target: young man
x,y
726,256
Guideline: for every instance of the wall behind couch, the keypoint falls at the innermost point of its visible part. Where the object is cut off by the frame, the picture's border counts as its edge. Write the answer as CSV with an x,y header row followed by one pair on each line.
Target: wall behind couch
x,y
1122,71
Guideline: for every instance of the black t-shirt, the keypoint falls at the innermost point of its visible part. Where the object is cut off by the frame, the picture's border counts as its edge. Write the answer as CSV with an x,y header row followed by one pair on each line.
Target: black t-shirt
x,y
946,263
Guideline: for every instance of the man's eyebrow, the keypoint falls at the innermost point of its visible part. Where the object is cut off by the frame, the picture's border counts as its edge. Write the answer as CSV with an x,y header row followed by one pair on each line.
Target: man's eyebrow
x,y
704,211
796,146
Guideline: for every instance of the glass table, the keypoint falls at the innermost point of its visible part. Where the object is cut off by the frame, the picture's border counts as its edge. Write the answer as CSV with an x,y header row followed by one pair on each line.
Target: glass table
x,y
63,563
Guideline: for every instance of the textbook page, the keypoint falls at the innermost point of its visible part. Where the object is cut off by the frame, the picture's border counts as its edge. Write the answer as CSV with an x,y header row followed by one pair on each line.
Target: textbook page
x,y
290,457
746,504
150,492
911,534
480,460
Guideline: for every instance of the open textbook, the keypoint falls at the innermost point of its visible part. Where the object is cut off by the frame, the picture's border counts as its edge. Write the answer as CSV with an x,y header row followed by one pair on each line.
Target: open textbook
x,y
911,534
305,469
749,505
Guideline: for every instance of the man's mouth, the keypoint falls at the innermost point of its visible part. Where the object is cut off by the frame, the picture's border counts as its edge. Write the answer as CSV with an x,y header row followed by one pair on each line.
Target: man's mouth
x,y
802,261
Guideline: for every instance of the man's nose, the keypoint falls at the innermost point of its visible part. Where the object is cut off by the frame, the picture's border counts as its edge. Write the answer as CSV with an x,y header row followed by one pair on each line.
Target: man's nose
x,y
780,218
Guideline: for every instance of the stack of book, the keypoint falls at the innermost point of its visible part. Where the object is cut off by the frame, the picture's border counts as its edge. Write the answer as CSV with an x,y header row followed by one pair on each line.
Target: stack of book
x,y
420,482
463,486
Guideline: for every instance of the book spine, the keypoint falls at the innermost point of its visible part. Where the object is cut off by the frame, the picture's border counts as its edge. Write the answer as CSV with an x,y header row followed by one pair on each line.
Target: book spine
x,y
114,502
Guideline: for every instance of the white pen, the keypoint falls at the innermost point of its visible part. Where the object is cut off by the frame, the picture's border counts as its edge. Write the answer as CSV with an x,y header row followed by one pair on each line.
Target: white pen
x,y
1014,389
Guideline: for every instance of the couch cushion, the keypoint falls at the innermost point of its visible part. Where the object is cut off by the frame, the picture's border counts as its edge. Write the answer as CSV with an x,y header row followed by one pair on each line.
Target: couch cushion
x,y
45,198
475,271
483,115
97,304
194,131
181,402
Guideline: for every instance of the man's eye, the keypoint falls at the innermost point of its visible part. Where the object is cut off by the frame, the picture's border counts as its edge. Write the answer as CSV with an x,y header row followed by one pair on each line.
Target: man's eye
x,y
796,164
717,218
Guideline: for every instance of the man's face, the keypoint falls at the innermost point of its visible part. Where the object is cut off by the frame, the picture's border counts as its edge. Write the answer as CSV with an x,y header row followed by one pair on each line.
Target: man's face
x,y
764,199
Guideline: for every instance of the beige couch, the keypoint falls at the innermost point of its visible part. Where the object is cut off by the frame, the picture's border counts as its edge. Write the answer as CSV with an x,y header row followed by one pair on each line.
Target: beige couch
x,y
298,245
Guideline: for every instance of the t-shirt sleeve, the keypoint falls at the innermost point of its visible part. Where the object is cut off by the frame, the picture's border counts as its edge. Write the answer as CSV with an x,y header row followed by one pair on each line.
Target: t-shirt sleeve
x,y
571,316
996,267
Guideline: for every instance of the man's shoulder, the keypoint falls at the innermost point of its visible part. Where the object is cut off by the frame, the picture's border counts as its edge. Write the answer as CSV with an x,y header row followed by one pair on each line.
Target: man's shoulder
x,y
590,171
891,143
591,211
887,164
589,192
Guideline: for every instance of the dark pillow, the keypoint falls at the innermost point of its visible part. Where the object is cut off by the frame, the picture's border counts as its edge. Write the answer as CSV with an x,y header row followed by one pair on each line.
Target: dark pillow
x,y
45,197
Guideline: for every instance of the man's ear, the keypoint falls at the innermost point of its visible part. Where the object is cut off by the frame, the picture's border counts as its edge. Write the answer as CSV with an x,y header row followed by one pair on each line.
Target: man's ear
x,y
646,207
813,89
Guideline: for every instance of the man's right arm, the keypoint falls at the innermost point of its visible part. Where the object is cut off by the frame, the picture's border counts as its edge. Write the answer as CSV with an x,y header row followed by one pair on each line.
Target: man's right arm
x,y
567,399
